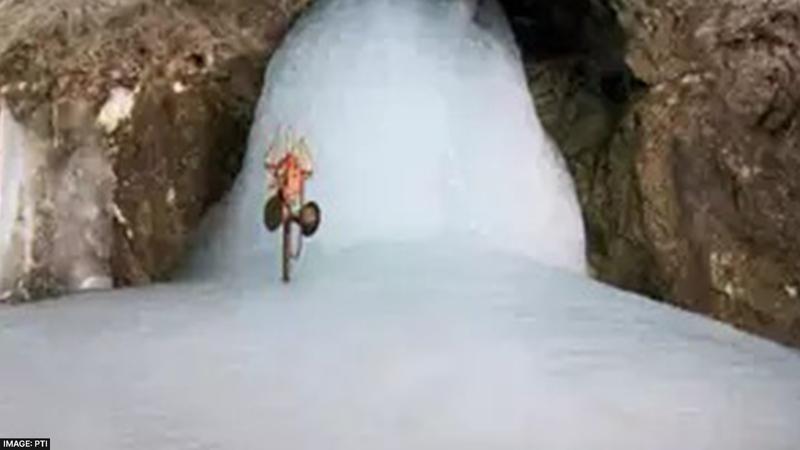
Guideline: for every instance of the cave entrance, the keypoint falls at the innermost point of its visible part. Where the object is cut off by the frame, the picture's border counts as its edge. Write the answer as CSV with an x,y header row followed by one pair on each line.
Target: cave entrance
x,y
582,37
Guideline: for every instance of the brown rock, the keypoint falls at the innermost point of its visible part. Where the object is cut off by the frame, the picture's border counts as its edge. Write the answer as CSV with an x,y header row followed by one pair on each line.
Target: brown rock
x,y
690,189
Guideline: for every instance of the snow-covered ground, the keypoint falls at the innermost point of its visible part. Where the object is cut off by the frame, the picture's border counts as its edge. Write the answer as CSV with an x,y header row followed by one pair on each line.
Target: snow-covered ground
x,y
424,315
391,347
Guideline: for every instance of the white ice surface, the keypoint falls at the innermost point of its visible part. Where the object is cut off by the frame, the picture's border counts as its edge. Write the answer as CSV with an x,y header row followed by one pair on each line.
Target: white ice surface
x,y
392,337
421,125
391,347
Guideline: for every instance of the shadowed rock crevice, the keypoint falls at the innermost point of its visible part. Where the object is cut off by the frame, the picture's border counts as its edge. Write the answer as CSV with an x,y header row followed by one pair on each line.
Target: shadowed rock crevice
x,y
583,87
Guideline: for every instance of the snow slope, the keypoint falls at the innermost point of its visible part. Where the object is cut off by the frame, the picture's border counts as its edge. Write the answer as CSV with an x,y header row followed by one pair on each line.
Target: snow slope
x,y
391,347
393,336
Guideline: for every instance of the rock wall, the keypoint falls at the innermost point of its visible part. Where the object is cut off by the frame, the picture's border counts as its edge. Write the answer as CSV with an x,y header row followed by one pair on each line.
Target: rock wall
x,y
132,118
687,166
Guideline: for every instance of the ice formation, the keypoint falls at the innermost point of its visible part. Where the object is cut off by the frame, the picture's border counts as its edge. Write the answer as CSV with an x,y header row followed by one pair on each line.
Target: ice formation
x,y
16,214
422,127
54,220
